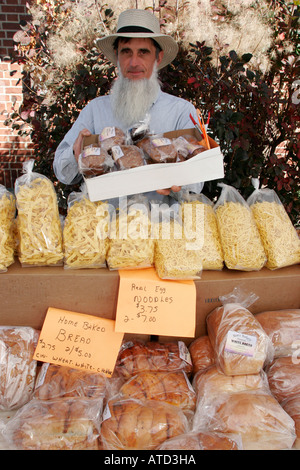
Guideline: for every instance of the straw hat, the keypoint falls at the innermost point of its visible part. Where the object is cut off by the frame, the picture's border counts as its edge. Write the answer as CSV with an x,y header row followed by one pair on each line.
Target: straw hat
x,y
137,23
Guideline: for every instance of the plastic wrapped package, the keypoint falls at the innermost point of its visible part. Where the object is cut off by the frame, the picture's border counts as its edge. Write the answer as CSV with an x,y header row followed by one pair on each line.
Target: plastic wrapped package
x,y
130,242
38,221
187,147
7,233
158,149
199,219
127,156
240,239
283,328
137,356
211,383
255,416
284,377
292,407
279,236
17,366
59,424
111,136
85,233
94,160
54,381
241,345
175,256
202,440
130,424
168,387
202,353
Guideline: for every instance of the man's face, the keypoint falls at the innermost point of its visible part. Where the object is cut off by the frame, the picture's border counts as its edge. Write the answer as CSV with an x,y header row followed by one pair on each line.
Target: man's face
x,y
137,58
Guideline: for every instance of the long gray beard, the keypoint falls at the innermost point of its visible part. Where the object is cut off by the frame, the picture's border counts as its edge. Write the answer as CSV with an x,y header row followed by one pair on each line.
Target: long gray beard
x,y
132,99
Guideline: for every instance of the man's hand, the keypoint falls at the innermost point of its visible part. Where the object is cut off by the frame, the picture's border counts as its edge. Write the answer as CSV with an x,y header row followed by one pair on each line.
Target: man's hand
x,y
78,142
166,192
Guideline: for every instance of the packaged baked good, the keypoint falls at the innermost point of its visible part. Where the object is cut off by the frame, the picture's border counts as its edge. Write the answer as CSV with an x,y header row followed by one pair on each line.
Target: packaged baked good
x,y
159,149
38,222
54,381
59,424
200,227
127,156
94,160
130,241
7,233
85,232
279,236
292,407
255,416
202,353
284,377
111,136
202,440
130,424
138,356
17,366
168,387
241,345
211,383
187,147
283,328
240,239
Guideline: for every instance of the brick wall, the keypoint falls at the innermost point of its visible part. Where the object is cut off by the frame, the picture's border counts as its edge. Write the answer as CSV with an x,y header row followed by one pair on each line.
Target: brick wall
x,y
14,149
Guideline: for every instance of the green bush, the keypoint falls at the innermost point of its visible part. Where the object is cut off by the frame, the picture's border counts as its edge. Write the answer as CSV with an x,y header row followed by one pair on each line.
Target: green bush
x,y
251,112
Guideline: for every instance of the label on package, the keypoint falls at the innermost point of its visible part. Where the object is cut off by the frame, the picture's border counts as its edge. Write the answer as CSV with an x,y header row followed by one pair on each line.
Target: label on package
x,y
107,133
88,151
160,141
240,343
117,152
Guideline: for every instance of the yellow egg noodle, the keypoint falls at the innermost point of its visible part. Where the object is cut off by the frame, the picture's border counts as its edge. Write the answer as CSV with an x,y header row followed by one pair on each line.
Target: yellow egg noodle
x,y
85,234
130,242
172,258
38,223
7,235
203,222
242,247
278,235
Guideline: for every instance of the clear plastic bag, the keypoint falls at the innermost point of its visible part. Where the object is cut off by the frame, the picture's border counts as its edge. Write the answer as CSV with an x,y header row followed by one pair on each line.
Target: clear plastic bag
x,y
284,378
202,353
241,345
85,233
283,328
38,222
168,387
240,239
54,381
255,416
7,228
200,225
130,424
94,161
279,236
158,149
59,424
202,440
292,407
176,256
138,356
17,366
130,243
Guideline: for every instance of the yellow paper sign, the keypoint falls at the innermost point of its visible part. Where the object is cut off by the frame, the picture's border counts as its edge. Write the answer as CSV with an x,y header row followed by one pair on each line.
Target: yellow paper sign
x,y
79,341
150,305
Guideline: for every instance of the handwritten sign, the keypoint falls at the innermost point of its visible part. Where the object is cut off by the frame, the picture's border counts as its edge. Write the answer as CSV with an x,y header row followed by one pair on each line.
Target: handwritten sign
x,y
79,341
150,305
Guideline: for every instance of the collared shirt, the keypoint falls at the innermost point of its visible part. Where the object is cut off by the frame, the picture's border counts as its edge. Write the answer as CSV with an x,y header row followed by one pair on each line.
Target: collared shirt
x,y
168,113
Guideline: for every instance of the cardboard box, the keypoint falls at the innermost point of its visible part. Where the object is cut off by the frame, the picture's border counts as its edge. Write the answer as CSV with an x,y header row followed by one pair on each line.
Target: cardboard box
x,y
205,166
26,293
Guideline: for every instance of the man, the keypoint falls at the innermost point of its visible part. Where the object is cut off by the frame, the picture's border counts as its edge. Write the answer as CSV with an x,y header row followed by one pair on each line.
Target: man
x,y
139,50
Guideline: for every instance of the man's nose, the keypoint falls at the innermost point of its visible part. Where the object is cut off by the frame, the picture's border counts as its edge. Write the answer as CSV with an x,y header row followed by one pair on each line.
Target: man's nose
x,y
134,60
